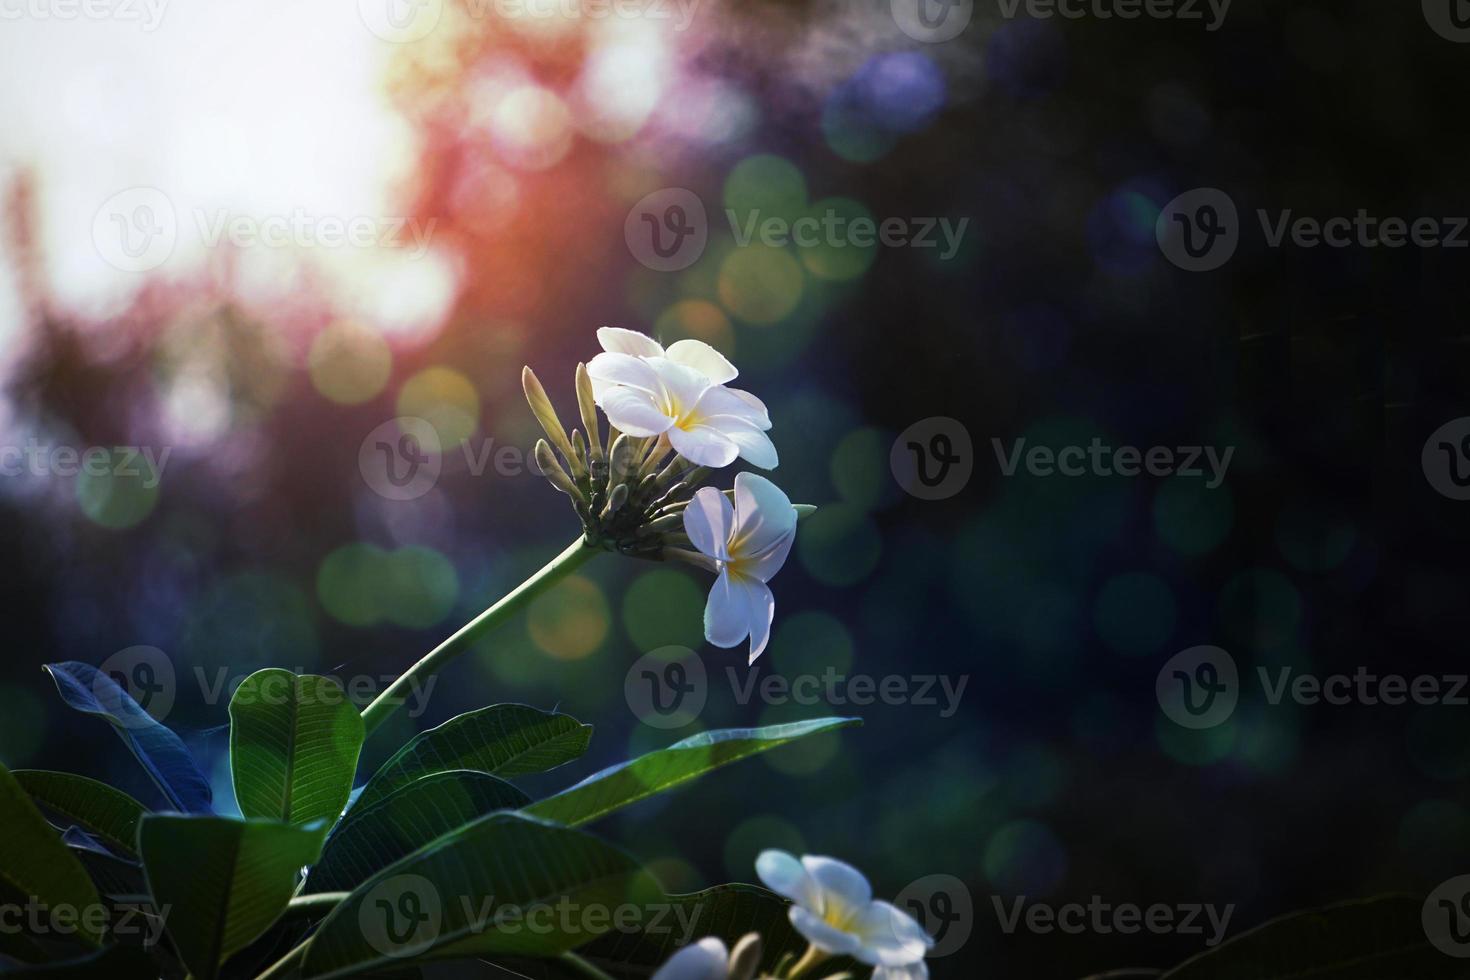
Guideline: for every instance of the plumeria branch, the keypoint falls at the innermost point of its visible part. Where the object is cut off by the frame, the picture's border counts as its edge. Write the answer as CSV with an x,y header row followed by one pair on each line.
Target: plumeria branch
x,y
671,420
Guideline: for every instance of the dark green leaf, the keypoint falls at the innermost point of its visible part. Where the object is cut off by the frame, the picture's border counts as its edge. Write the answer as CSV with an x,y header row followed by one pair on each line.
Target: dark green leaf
x,y
36,864
108,814
503,740
373,837
470,893
223,882
655,772
1367,940
160,751
294,742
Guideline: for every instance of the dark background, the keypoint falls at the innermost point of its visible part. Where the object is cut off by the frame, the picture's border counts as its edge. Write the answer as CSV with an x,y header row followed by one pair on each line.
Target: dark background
x,y
1059,778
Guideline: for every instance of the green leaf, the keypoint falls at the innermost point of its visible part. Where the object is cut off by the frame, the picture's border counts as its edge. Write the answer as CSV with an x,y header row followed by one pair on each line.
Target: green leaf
x,y
487,888
372,838
503,740
108,814
655,772
161,752
294,742
725,911
1364,940
36,864
222,881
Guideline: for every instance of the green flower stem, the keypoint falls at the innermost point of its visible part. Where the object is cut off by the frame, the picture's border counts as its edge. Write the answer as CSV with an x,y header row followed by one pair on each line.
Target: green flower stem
x,y
552,572
314,904
284,965
809,959
582,966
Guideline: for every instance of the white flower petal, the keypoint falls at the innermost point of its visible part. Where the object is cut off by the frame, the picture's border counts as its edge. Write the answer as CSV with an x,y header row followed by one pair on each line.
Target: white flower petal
x,y
722,401
727,613
890,936
751,400
702,358
635,412
823,936
705,960
619,340
763,565
763,514
914,971
783,874
703,445
682,386
839,880
708,520
762,610
623,369
755,447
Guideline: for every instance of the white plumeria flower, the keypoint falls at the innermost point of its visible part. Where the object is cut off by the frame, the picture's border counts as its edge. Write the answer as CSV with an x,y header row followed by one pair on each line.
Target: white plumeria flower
x,y
748,542
835,910
708,959
914,971
646,391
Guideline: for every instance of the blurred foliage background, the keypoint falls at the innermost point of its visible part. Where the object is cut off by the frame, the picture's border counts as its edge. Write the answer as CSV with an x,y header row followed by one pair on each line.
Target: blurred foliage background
x,y
1057,320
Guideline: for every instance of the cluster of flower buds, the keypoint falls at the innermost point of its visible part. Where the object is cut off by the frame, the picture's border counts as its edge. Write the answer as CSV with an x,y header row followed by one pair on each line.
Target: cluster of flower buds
x,y
629,492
